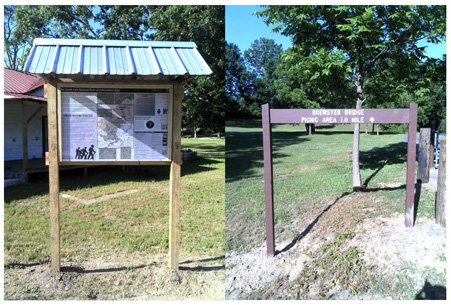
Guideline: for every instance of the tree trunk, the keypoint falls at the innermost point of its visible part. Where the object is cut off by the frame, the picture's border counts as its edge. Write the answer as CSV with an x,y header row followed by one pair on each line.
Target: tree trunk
x,y
194,131
356,180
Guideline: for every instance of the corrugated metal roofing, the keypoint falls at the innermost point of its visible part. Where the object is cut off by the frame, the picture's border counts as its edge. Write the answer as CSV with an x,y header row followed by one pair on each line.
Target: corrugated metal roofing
x,y
20,82
115,57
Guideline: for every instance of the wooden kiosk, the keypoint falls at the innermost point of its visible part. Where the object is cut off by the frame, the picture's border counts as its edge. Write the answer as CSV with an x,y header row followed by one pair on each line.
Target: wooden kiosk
x,y
114,103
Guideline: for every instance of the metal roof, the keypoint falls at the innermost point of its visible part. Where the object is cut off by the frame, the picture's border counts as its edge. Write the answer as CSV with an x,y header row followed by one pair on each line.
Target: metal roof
x,y
68,57
20,82
22,85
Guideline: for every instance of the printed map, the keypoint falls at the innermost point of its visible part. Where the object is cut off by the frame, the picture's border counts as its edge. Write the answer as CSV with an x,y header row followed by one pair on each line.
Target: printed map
x,y
115,126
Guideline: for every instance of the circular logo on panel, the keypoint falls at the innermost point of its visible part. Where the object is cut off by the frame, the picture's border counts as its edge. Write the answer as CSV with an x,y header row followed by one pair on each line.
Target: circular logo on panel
x,y
150,124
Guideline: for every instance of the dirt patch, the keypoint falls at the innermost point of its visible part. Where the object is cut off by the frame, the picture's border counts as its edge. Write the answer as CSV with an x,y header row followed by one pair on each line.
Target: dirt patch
x,y
388,244
389,261
114,276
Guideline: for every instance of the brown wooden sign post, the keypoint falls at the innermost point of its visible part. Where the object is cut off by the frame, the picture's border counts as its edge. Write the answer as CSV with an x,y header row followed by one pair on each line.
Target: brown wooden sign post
x,y
335,116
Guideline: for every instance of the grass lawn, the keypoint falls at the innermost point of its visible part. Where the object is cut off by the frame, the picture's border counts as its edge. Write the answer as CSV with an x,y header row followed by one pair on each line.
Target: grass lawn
x,y
312,174
136,222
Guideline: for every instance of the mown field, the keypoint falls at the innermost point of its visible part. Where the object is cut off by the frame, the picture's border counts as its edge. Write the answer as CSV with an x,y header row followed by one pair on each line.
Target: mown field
x,y
132,225
313,200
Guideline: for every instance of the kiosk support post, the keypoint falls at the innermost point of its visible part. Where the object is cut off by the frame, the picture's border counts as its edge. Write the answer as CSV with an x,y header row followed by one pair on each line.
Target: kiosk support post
x,y
174,205
268,178
52,113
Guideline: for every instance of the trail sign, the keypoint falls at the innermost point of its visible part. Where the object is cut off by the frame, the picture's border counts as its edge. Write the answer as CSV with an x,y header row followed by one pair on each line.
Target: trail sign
x,y
335,116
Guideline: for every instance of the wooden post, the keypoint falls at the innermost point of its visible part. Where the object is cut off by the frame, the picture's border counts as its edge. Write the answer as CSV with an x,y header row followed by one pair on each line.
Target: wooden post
x,y
440,203
423,155
24,139
410,176
309,129
366,128
52,113
268,180
377,129
431,150
174,206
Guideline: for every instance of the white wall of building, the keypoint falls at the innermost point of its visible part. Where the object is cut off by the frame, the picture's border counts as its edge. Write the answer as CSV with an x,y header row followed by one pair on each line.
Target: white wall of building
x,y
13,130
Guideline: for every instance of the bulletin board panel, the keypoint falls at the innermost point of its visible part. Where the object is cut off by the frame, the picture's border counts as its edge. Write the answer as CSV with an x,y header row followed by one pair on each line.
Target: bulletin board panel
x,y
113,124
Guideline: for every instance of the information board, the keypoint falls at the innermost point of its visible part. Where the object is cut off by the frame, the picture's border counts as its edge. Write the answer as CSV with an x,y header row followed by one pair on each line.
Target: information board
x,y
114,124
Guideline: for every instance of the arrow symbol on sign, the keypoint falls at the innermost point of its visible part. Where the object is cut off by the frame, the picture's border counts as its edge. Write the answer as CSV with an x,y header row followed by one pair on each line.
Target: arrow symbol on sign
x,y
371,119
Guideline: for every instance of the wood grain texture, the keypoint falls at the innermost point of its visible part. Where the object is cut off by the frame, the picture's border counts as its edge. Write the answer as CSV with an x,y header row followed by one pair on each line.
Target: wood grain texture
x,y
440,205
174,205
423,155
52,113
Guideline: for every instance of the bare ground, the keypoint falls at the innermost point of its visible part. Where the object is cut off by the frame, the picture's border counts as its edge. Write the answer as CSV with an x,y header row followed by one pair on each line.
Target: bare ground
x,y
115,276
390,261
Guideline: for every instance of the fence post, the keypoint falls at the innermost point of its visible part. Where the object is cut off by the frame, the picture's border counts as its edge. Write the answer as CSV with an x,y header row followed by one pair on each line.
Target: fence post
x,y
440,200
423,155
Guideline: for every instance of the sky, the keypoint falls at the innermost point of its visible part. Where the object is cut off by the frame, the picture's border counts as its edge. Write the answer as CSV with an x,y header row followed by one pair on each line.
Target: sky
x,y
242,28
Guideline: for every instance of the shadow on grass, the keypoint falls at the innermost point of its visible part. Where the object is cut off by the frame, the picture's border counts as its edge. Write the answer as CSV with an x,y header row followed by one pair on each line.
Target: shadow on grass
x,y
117,269
104,175
246,123
431,292
311,225
416,202
378,158
23,266
106,270
203,268
244,153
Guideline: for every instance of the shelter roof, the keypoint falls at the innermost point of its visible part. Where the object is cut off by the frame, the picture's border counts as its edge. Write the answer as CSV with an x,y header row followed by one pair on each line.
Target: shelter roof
x,y
72,57
20,85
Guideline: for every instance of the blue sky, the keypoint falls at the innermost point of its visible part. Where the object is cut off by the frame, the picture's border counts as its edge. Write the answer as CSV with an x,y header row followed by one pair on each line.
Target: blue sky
x,y
242,28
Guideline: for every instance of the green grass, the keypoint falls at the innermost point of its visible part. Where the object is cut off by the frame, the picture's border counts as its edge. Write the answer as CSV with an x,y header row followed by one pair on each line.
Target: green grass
x,y
309,171
136,222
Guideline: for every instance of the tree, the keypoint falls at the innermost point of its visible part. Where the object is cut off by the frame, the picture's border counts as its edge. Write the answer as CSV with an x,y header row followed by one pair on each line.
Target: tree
x,y
21,25
261,60
238,86
303,82
204,25
366,35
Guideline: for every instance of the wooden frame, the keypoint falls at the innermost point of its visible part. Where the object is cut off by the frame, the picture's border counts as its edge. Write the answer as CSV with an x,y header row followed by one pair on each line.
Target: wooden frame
x,y
121,85
365,116
176,94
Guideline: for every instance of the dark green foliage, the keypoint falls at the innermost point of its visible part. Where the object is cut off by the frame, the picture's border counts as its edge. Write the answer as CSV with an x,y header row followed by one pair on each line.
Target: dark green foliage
x,y
204,25
238,83
250,79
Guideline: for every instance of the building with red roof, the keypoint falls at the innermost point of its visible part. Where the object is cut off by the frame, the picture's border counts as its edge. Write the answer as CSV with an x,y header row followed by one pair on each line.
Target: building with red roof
x,y
25,117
